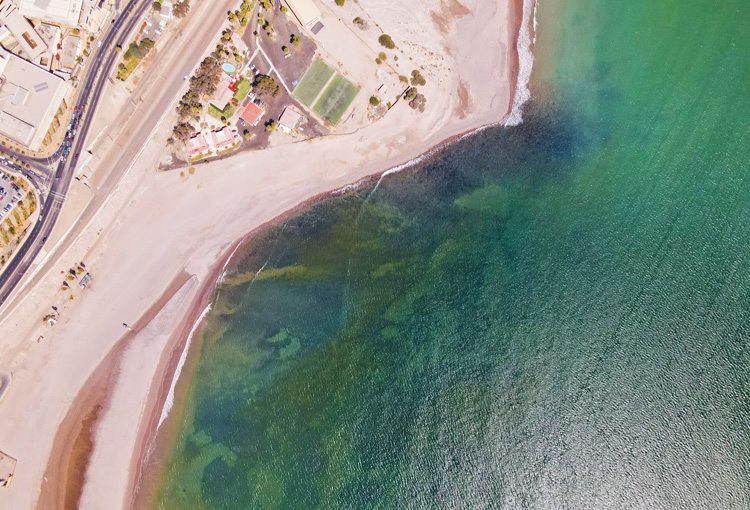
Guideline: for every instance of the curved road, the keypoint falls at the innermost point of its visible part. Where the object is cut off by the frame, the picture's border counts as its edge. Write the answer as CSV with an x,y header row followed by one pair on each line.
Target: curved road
x,y
91,88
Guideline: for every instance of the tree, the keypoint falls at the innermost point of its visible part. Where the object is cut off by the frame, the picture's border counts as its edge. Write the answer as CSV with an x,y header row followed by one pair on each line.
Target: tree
x,y
340,2
417,78
385,40
270,125
410,93
285,50
294,40
265,85
374,101
156,6
382,56
183,131
181,9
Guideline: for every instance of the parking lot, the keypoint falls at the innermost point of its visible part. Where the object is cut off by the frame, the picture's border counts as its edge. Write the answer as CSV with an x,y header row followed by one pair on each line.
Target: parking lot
x,y
10,194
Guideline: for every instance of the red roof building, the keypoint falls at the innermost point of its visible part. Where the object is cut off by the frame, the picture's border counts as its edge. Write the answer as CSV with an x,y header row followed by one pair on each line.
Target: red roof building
x,y
252,114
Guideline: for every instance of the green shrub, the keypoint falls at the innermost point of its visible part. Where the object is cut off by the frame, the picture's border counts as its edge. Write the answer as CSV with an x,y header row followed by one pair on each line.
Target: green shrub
x,y
386,41
374,101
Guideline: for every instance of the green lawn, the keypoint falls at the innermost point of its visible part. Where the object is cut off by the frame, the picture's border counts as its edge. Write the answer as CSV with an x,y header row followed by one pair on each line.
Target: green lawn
x,y
241,88
312,82
227,112
336,99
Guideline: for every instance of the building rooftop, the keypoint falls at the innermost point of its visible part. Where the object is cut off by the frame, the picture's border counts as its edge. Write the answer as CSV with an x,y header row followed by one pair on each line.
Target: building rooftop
x,y
289,119
65,12
305,11
70,47
29,99
31,43
223,93
252,114
222,138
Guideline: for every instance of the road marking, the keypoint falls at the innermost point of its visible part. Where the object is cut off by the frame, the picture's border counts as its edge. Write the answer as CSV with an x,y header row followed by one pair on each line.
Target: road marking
x,y
273,67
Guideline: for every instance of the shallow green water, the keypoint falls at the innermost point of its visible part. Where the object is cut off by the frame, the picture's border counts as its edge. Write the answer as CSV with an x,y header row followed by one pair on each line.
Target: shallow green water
x,y
550,316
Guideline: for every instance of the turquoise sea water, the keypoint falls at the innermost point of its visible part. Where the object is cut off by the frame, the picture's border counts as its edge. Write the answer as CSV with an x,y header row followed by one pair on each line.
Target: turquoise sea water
x,y
555,315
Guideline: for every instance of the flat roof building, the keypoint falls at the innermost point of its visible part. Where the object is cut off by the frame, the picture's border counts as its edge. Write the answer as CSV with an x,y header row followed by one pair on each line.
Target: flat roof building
x,y
31,43
306,12
65,12
290,119
29,100
70,47
221,138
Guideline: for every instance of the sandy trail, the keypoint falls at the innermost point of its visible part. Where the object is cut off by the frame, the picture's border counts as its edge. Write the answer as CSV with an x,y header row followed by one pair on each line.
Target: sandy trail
x,y
158,226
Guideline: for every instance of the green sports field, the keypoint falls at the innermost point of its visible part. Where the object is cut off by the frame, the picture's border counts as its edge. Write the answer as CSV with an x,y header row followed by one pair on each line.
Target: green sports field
x,y
312,82
336,99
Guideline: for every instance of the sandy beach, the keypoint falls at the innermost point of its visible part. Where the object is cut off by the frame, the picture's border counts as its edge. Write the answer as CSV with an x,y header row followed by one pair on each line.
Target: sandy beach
x,y
87,395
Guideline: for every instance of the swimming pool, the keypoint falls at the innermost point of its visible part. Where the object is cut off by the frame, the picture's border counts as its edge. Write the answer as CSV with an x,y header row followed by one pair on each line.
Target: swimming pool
x,y
228,68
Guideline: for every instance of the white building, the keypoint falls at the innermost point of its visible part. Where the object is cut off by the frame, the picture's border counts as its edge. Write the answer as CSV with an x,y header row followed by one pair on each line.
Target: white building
x,y
29,100
30,43
70,47
65,12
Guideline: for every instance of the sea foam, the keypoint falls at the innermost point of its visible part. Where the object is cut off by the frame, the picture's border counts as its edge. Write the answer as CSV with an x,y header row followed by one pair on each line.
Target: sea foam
x,y
524,48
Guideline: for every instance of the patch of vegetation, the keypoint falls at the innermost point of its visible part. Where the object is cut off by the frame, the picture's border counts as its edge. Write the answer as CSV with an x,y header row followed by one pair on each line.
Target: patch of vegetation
x,y
382,56
181,9
335,99
386,41
359,22
312,82
417,78
183,131
374,101
224,114
416,100
241,88
156,6
132,57
202,84
404,79
264,85
340,3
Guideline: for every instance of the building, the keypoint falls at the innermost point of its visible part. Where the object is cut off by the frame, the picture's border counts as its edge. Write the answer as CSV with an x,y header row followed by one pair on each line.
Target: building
x,y
198,144
64,12
29,100
290,119
70,47
224,92
252,114
305,11
222,138
30,43
51,35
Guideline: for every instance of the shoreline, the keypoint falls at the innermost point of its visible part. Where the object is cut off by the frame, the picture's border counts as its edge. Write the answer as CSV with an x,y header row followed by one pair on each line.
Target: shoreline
x,y
158,441
138,278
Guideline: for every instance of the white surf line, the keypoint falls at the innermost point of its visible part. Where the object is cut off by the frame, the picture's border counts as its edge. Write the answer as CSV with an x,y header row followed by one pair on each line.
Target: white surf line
x,y
525,63
169,401
273,69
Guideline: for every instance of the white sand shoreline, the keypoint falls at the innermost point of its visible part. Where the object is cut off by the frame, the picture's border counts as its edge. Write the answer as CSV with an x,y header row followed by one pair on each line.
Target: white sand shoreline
x,y
139,253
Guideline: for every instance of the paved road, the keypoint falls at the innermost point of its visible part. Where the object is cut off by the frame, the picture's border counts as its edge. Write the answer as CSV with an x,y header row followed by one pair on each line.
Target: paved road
x,y
91,88
179,60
